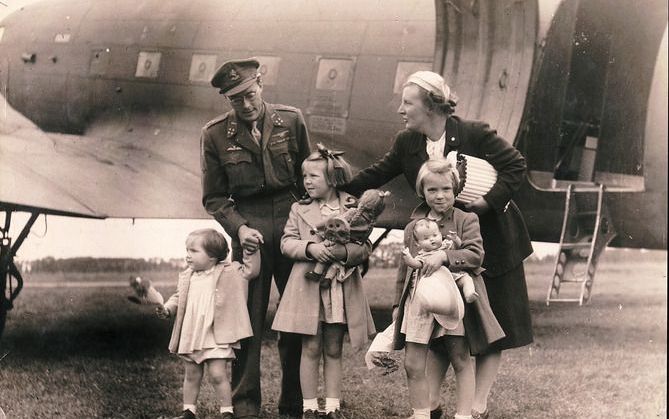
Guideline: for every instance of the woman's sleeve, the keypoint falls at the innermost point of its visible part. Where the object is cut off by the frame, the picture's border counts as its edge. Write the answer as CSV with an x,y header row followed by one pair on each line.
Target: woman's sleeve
x,y
378,174
470,254
509,163
292,244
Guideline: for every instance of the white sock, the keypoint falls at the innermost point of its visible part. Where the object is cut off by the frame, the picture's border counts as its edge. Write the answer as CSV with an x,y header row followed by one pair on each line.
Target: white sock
x,y
462,416
190,407
331,404
225,409
421,413
309,404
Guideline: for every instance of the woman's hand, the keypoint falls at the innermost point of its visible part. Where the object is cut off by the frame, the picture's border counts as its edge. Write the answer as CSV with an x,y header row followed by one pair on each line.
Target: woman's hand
x,y
478,206
433,262
320,252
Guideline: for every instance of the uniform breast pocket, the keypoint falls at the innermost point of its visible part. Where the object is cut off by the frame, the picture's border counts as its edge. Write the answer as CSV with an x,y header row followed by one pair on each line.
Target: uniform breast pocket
x,y
239,169
283,159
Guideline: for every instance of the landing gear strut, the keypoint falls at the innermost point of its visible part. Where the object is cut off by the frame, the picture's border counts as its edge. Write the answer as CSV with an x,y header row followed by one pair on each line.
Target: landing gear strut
x,y
11,281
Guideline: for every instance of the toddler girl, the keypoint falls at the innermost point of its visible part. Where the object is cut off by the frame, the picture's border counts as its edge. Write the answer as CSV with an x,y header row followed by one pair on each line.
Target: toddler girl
x,y
428,343
210,315
322,315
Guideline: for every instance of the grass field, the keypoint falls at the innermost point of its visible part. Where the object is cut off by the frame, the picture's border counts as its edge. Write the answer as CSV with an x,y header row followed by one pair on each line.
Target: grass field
x,y
85,352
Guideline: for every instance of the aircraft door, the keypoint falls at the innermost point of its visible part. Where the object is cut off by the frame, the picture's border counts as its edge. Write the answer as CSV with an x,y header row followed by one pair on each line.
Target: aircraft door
x,y
484,49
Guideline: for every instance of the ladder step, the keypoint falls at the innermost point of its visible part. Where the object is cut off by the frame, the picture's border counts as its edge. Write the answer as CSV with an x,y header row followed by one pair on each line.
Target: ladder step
x,y
579,245
564,300
578,280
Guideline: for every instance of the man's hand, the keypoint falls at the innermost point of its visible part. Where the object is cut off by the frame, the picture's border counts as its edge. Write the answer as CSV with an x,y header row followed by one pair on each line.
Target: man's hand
x,y
478,206
162,312
249,238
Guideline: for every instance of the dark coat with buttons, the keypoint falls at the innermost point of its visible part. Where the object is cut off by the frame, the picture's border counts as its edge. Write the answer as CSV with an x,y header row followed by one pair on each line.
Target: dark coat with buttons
x,y
235,167
505,237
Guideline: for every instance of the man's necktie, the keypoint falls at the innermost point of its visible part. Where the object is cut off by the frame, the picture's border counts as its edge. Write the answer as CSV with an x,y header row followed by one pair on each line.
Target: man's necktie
x,y
255,132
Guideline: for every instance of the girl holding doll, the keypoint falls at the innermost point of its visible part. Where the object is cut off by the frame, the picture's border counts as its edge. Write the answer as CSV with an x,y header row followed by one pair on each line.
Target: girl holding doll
x,y
419,330
323,315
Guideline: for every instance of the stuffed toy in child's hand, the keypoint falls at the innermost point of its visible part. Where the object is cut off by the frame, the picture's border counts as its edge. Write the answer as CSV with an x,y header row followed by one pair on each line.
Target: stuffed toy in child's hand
x,y
145,293
354,225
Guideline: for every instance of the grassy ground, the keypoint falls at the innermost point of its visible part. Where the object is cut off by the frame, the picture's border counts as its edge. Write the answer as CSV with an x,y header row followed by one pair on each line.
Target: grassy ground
x,y
86,352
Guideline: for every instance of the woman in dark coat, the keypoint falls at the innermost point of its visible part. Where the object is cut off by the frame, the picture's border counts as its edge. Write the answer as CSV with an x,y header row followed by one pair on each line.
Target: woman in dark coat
x,y
432,131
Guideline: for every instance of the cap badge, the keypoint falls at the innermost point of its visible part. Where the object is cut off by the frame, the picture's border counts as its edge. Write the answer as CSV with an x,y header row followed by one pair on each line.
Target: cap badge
x,y
234,76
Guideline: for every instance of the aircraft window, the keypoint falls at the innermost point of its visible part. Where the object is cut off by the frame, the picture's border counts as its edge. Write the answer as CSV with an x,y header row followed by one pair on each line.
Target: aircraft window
x,y
334,74
202,68
269,69
62,38
148,64
2,32
404,70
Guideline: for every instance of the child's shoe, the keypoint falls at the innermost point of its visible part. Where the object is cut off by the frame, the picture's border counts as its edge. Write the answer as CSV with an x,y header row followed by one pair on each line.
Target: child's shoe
x,y
310,414
186,414
313,276
479,415
335,414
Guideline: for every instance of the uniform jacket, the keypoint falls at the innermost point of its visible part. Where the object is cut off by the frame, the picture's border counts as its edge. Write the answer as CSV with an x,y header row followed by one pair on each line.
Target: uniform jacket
x,y
505,236
299,307
234,166
231,317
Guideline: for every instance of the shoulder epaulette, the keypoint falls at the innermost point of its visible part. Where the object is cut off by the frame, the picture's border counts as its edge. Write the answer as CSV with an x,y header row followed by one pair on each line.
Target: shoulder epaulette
x,y
217,120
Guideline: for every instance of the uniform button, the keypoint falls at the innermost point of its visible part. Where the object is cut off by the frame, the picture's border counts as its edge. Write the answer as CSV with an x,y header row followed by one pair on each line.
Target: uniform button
x,y
452,139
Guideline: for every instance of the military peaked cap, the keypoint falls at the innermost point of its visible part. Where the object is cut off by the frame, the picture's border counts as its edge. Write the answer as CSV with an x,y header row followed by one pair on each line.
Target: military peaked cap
x,y
234,76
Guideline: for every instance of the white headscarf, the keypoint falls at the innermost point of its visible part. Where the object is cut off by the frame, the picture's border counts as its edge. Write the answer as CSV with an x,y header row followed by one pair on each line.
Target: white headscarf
x,y
432,82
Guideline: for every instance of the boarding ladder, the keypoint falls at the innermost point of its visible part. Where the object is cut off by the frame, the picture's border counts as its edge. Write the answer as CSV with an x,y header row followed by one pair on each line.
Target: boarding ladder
x,y
586,231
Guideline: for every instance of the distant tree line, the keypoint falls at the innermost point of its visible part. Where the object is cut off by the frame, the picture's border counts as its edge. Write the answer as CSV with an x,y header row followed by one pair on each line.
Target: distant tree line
x,y
386,255
91,264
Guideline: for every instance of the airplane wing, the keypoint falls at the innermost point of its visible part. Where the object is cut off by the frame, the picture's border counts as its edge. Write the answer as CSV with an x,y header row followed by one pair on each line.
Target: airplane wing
x,y
93,176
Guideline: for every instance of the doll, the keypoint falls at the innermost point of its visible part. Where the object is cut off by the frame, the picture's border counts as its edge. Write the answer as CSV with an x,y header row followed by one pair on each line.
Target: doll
x,y
354,225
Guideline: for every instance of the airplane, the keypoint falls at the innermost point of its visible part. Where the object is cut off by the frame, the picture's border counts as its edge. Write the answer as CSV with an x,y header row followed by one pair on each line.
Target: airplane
x,y
103,102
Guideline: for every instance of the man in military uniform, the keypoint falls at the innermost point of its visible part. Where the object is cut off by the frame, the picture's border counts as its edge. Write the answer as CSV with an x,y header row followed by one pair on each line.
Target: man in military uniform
x,y
251,160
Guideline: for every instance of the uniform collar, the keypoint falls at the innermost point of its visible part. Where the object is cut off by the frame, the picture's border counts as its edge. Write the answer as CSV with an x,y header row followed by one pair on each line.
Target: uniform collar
x,y
268,114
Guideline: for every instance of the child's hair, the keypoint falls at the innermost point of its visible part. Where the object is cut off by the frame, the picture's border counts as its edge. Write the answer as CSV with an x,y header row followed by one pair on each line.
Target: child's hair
x,y
437,167
213,243
337,170
423,223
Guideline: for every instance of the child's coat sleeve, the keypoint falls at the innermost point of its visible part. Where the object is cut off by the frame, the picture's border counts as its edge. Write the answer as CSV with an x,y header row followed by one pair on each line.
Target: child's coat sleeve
x,y
292,245
250,266
470,254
